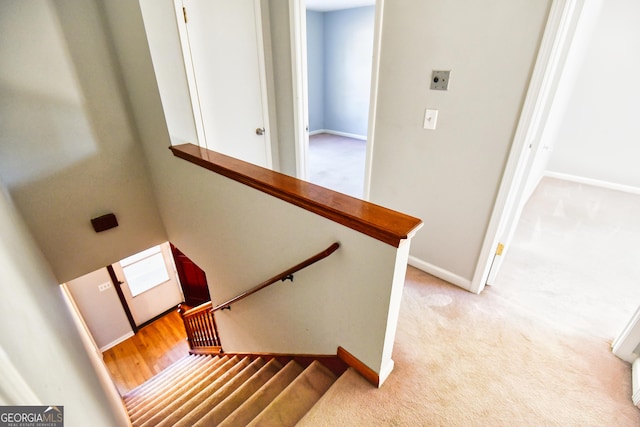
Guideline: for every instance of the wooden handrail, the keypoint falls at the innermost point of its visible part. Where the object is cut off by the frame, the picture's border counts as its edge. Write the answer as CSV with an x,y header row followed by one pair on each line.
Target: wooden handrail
x,y
197,309
376,221
280,277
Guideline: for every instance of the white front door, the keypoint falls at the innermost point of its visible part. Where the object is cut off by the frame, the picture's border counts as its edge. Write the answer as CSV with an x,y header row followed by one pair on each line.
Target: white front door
x,y
222,44
149,283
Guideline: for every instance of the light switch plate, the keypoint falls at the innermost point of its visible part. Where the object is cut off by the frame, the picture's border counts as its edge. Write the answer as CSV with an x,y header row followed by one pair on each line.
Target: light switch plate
x,y
440,80
103,287
430,119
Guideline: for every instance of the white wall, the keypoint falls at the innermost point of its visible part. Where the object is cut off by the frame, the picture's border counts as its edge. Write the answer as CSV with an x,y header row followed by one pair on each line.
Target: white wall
x,y
38,335
597,129
101,310
164,42
348,47
315,69
241,237
449,177
68,151
339,54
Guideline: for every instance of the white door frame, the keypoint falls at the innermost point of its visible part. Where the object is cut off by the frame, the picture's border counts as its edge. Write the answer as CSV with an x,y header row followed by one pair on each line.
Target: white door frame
x,y
373,97
298,25
297,17
549,65
624,346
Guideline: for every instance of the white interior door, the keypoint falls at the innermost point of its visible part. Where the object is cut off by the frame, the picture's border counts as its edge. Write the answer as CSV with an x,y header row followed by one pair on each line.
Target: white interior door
x,y
149,283
222,44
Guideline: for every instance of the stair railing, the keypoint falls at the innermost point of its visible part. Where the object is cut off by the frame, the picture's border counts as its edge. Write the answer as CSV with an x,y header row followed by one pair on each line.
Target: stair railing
x,y
200,326
200,323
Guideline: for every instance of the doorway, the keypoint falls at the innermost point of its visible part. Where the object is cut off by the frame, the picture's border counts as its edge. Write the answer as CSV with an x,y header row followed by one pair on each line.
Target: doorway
x,y
338,66
148,283
589,187
574,258
222,48
192,279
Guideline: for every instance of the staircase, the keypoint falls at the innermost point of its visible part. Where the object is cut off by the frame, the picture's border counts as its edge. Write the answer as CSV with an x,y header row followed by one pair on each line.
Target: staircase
x,y
232,390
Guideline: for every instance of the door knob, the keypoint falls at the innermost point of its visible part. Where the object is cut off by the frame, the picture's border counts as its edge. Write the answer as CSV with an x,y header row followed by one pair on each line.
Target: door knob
x,y
260,131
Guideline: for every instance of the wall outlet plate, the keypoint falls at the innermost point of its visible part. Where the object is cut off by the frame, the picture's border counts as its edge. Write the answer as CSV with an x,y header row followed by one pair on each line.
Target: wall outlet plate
x,y
440,80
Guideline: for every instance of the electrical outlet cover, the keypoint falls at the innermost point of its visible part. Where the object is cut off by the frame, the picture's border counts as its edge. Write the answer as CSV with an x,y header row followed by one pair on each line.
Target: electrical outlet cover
x,y
440,80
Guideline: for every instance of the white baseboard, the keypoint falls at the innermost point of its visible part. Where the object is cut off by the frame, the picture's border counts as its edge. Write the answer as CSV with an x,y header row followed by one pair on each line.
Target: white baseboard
x,y
337,132
117,341
594,182
440,273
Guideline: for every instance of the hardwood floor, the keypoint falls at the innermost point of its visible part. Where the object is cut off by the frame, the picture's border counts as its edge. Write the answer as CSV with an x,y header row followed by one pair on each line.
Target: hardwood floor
x,y
152,349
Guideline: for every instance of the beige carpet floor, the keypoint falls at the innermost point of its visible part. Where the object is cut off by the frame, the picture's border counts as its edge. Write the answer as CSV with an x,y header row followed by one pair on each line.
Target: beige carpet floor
x,y
469,360
338,163
533,351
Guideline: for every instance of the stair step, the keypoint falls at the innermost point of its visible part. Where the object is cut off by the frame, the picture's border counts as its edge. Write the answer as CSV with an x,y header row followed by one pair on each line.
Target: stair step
x,y
296,400
175,388
150,388
170,415
204,390
187,419
182,395
261,398
238,397
172,372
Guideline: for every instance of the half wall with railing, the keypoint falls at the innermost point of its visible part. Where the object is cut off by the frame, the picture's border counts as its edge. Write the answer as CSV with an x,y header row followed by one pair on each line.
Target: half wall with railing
x,y
241,223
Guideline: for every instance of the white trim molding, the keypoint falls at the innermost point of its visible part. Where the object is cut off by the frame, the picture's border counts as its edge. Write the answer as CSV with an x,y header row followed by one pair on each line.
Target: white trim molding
x,y
440,273
298,31
593,182
116,341
337,132
624,346
373,98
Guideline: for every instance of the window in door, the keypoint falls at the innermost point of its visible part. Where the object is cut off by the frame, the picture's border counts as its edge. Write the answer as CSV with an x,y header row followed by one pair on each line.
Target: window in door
x,y
145,270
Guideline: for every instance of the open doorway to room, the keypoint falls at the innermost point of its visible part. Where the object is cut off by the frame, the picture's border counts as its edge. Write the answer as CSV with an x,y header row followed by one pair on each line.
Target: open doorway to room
x,y
339,43
573,260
